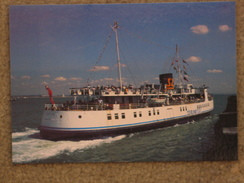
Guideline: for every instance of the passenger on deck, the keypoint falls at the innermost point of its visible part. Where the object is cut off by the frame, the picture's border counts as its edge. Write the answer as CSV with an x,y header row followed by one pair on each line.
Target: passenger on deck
x,y
100,101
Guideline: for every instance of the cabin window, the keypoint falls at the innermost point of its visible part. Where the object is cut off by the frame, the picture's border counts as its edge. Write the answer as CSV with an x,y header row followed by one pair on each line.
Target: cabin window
x,y
116,116
149,113
61,116
180,109
157,111
109,116
186,108
135,115
79,116
154,113
140,114
123,115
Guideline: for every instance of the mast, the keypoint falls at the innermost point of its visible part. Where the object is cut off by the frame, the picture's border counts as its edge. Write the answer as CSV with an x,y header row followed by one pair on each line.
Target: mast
x,y
115,28
178,65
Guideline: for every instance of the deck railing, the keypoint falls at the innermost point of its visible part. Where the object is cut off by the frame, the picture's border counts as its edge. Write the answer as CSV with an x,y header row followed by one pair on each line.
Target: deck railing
x,y
96,107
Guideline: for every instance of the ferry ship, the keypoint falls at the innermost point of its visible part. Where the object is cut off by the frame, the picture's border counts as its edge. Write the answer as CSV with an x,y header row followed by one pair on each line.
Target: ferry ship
x,y
102,111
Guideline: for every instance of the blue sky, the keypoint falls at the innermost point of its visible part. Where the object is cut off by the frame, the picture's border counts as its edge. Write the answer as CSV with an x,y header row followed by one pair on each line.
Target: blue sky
x,y
59,45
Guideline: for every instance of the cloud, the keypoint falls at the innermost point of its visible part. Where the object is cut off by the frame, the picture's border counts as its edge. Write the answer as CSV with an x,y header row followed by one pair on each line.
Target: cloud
x,y
200,29
224,28
60,78
194,59
25,77
75,79
214,71
44,83
99,68
101,81
105,81
121,65
45,76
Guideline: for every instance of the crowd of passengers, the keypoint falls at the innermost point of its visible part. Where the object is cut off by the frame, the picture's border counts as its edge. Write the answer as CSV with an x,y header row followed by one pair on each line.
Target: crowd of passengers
x,y
145,99
98,103
111,88
186,99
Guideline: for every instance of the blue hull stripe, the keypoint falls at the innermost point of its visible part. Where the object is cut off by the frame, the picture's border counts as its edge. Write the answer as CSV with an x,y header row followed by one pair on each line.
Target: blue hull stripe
x,y
133,124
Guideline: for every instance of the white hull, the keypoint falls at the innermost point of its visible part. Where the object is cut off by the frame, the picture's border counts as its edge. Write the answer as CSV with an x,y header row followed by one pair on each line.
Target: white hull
x,y
95,121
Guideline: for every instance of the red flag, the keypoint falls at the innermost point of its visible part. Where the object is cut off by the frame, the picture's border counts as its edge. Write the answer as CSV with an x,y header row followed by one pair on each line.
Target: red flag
x,y
50,93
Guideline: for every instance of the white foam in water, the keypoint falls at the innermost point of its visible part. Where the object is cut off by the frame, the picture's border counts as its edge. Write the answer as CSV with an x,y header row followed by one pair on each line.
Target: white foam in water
x,y
191,122
28,131
35,149
176,125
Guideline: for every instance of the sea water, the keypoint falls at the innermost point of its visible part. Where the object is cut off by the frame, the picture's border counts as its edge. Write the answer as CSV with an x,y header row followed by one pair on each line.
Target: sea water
x,y
187,142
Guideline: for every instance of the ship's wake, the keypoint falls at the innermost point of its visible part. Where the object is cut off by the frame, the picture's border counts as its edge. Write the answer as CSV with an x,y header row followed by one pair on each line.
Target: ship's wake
x,y
26,149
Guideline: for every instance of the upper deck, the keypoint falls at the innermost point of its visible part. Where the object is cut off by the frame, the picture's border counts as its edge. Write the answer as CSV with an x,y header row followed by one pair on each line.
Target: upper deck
x,y
97,105
145,90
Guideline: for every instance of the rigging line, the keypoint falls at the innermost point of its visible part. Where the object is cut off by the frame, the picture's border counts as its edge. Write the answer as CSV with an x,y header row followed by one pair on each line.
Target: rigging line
x,y
189,66
101,54
104,48
134,78
128,68
177,68
170,66
146,40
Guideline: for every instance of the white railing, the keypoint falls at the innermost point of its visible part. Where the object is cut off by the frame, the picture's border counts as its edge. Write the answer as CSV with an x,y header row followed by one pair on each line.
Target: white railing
x,y
53,106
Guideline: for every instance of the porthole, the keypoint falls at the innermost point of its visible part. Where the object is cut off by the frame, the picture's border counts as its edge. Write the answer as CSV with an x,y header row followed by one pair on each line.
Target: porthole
x,y
135,115
80,116
61,116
